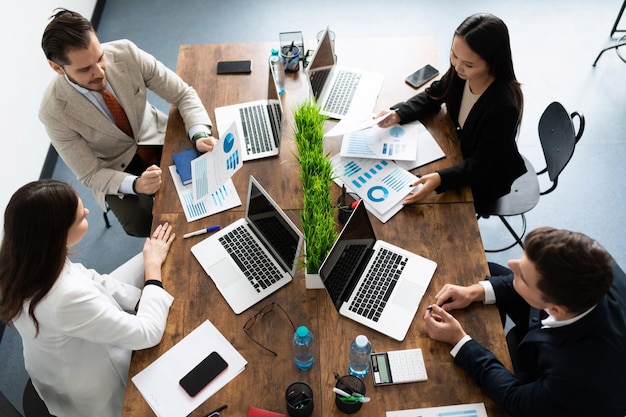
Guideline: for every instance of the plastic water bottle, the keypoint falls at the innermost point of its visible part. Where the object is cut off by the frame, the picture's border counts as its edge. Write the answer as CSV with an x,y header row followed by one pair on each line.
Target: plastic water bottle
x,y
278,70
360,351
303,348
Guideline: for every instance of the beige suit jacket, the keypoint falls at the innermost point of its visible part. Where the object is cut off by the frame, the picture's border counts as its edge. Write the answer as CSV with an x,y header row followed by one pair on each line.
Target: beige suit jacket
x,y
93,147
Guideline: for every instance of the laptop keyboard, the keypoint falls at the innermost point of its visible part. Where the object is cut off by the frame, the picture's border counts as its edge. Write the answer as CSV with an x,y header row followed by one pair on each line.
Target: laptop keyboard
x,y
253,261
342,92
376,288
258,137
318,79
345,266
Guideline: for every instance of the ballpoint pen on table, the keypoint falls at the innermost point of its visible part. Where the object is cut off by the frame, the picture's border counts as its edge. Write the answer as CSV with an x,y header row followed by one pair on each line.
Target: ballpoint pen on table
x,y
216,412
201,231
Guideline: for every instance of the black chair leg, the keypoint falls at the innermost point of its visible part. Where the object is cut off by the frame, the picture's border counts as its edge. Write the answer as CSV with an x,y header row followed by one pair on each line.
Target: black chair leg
x,y
106,219
518,239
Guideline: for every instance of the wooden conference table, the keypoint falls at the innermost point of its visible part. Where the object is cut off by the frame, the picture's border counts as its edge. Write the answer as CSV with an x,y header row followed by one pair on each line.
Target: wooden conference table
x,y
442,228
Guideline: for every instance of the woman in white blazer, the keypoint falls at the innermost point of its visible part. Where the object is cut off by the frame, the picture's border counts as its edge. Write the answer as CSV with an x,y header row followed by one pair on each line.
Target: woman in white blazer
x,y
78,327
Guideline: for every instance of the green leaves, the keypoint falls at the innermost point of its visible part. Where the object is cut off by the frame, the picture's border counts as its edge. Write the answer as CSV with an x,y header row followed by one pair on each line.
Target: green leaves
x,y
316,173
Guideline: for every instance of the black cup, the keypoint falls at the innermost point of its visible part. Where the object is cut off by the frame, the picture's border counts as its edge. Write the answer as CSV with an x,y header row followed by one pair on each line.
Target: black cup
x,y
351,385
344,206
299,398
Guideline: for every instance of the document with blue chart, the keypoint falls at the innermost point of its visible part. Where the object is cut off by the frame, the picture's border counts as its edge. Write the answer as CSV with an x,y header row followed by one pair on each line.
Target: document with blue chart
x,y
224,198
381,184
211,170
398,142
459,410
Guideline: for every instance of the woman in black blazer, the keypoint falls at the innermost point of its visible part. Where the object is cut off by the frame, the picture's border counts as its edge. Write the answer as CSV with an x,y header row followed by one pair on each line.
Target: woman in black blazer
x,y
485,102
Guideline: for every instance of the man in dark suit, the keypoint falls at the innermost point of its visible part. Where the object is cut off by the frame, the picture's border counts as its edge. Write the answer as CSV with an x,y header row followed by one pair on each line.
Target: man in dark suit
x,y
567,298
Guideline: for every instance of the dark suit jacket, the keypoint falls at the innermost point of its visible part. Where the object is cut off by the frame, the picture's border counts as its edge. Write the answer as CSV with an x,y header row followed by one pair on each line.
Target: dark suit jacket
x,y
491,159
574,370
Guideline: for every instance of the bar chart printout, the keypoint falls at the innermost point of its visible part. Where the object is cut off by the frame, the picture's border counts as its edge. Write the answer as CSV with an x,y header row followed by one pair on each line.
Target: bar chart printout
x,y
461,410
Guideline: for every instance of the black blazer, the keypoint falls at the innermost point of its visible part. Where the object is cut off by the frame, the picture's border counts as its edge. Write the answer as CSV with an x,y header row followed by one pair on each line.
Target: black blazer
x,y
574,370
491,159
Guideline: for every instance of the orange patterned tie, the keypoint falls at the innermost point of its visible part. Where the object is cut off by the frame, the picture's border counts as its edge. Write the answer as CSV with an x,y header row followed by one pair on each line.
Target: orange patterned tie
x,y
118,113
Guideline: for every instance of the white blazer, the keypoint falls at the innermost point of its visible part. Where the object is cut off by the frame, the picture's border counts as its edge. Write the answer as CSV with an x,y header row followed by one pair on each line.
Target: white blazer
x,y
79,361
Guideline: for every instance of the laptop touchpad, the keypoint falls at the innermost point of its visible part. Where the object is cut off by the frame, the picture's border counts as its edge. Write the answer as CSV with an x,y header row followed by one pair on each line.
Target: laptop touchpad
x,y
223,273
405,296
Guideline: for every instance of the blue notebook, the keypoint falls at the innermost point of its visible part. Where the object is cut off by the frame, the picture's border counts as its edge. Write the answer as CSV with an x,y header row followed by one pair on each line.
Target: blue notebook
x,y
182,160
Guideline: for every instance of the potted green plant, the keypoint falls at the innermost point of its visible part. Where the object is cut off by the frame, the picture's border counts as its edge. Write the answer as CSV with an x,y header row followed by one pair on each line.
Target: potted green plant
x,y
316,174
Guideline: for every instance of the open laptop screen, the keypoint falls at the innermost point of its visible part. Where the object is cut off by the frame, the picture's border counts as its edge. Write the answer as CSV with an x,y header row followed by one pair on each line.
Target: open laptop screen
x,y
275,231
349,256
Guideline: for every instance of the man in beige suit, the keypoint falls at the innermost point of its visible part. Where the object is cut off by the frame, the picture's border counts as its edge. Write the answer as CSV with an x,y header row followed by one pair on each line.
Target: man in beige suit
x,y
119,163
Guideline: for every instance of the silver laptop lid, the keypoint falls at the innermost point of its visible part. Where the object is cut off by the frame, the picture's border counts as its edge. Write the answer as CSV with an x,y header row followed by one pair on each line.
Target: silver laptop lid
x,y
324,58
275,230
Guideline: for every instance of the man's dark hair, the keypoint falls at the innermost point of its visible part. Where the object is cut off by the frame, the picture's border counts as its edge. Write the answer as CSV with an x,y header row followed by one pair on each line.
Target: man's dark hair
x,y
574,270
67,31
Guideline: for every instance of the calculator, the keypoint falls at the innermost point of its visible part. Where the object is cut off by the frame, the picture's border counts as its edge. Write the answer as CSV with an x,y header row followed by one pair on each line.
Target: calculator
x,y
398,367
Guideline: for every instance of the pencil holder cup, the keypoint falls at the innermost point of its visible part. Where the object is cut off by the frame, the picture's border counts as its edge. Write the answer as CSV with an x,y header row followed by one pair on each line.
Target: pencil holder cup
x,y
299,398
345,206
352,385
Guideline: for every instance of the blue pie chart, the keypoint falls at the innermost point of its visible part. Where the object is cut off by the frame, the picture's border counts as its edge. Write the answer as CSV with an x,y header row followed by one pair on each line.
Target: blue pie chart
x,y
396,132
377,193
229,142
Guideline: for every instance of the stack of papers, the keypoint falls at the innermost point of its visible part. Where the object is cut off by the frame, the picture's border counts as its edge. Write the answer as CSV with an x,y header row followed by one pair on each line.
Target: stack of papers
x,y
158,383
381,184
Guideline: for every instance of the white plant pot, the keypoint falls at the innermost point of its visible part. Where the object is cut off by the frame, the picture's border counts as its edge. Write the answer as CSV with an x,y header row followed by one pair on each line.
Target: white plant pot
x,y
313,281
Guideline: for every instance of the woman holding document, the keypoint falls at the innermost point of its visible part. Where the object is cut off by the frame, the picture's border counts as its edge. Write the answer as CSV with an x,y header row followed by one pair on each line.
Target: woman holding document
x,y
485,102
78,327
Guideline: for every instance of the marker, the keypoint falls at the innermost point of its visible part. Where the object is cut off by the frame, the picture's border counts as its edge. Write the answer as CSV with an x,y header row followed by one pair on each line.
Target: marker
x,y
429,308
216,412
202,231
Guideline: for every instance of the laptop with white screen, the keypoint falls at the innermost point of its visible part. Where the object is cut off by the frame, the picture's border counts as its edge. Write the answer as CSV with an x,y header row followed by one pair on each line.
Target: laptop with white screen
x,y
258,123
254,256
337,89
358,263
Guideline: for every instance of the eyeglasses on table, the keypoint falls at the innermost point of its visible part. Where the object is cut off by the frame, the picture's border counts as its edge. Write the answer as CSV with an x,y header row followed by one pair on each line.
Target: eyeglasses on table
x,y
258,316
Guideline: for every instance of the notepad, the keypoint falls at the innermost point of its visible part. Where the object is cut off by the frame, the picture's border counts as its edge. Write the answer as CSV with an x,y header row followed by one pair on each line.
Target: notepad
x,y
182,160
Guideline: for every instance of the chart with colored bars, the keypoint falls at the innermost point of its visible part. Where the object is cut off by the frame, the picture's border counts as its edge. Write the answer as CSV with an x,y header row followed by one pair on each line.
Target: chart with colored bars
x,y
461,410
211,170
224,198
381,184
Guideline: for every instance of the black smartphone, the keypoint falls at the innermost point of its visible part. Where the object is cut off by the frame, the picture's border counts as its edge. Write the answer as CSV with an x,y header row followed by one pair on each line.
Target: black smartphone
x,y
422,76
205,372
234,67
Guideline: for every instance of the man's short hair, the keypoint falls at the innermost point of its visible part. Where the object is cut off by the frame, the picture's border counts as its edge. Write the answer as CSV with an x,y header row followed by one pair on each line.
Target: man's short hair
x,y
67,31
574,270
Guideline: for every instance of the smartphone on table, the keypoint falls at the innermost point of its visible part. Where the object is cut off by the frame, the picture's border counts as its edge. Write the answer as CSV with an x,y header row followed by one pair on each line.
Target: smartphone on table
x,y
422,76
205,372
234,67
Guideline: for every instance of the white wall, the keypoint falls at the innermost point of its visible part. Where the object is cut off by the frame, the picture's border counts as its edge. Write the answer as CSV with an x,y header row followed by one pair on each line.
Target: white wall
x,y
24,74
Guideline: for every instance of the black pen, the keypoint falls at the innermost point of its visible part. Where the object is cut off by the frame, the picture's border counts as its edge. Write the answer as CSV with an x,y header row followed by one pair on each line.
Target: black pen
x,y
216,412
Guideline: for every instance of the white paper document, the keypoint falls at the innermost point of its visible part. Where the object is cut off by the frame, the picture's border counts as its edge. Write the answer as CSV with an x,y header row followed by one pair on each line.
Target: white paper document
x,y
354,122
212,169
461,410
381,184
158,383
398,142
224,198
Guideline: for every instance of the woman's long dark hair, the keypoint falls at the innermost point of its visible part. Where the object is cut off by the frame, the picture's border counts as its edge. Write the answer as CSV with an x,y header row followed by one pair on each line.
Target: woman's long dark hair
x,y
488,36
36,225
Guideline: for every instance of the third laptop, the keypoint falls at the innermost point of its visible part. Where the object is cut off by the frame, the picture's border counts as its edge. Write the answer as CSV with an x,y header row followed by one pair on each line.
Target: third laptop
x,y
372,281
254,256
338,89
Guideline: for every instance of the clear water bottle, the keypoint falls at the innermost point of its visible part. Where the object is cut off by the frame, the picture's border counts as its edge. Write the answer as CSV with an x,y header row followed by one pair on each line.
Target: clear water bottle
x,y
303,348
278,70
360,351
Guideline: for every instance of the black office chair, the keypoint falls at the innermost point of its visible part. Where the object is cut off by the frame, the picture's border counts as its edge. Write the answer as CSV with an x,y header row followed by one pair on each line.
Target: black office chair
x,y
558,139
32,403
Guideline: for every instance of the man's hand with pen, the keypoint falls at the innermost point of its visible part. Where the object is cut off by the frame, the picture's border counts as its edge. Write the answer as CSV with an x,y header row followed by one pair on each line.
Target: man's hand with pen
x,y
440,324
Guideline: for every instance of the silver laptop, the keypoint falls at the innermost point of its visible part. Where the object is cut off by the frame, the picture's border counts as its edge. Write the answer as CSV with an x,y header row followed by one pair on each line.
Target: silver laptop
x,y
374,282
258,123
337,89
254,256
